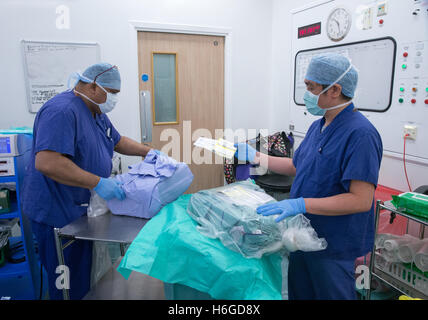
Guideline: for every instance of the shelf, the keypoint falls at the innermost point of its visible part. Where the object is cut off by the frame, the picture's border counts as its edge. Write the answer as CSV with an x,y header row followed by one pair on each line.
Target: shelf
x,y
390,207
398,285
14,269
9,179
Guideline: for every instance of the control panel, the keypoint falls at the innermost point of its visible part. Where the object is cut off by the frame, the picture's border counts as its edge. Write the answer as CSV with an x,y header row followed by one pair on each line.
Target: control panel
x,y
11,146
7,166
387,41
412,75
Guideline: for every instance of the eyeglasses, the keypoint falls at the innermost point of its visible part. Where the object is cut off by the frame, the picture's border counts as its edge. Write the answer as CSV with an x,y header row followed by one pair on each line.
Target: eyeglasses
x,y
95,79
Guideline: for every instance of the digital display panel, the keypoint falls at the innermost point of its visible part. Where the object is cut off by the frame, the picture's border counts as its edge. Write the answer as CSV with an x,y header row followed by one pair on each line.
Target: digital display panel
x,y
4,145
310,30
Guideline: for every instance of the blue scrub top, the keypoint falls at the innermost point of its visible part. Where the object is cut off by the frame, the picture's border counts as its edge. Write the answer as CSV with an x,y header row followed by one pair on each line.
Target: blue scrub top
x,y
65,124
350,148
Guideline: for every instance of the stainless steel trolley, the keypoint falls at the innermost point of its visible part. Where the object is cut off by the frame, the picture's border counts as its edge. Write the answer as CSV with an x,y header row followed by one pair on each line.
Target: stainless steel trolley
x,y
107,227
403,279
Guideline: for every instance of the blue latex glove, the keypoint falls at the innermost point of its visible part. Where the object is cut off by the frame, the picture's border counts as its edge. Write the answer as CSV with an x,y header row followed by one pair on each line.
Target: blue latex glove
x,y
284,208
245,152
109,189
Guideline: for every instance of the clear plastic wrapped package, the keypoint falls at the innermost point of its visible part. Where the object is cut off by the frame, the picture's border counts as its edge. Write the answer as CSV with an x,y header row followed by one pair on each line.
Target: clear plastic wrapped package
x,y
97,205
229,214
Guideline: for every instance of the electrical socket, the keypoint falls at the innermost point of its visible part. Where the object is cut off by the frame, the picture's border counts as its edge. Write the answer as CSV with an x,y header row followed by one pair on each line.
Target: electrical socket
x,y
411,130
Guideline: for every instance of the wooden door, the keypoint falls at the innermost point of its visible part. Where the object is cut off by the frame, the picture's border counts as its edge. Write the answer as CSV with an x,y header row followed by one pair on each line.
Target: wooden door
x,y
199,98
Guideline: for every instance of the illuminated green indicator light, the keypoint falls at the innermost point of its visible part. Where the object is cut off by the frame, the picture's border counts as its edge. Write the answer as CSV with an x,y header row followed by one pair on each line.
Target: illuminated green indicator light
x,y
404,66
402,89
401,100
426,89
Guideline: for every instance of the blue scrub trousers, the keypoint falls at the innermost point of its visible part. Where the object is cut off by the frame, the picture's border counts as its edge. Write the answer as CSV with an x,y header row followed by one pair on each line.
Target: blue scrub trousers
x,y
311,277
77,257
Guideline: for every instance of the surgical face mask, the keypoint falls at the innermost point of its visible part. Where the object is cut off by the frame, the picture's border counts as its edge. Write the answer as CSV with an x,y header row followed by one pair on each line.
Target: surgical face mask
x,y
110,102
311,100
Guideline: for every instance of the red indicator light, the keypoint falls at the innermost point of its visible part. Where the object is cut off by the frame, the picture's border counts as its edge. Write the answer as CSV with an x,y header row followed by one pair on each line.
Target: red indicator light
x,y
413,101
405,54
381,21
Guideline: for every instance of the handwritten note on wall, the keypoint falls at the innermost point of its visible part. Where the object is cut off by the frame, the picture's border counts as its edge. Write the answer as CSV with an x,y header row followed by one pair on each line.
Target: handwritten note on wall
x,y
49,65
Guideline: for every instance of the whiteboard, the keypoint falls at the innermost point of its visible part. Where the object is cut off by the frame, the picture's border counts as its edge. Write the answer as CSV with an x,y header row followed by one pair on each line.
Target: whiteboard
x,y
375,62
48,65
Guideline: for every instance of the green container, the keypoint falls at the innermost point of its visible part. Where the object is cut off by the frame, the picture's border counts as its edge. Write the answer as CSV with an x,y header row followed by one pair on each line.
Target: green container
x,y
412,203
416,269
4,201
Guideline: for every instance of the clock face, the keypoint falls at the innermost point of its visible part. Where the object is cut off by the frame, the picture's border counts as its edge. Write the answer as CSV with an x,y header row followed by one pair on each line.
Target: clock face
x,y
338,24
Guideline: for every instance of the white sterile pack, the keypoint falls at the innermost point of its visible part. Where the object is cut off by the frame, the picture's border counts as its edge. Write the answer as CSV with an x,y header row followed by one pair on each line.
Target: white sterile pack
x,y
247,197
220,147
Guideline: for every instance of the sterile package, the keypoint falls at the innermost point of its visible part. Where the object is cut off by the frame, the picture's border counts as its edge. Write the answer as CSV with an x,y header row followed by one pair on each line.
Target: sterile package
x,y
229,213
220,147
97,205
101,261
412,203
150,185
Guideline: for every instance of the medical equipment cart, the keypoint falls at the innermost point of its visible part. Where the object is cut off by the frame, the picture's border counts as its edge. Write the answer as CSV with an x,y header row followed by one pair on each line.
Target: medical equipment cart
x,y
397,275
20,277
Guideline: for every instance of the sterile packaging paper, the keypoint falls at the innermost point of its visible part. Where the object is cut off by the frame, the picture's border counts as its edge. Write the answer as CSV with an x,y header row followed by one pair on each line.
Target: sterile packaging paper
x,y
220,147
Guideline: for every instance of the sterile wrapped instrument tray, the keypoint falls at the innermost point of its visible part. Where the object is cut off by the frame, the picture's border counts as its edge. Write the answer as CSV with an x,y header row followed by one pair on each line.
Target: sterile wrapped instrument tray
x,y
229,213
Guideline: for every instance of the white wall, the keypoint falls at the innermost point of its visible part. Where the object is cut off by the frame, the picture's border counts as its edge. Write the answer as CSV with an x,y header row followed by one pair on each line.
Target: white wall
x,y
107,23
281,57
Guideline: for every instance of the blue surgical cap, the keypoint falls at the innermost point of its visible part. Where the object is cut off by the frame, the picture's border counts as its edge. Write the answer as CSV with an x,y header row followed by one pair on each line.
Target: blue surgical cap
x,y
326,68
109,79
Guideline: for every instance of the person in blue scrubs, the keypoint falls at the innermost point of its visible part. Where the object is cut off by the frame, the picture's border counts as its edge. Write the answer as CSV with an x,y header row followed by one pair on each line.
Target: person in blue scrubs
x,y
72,154
336,170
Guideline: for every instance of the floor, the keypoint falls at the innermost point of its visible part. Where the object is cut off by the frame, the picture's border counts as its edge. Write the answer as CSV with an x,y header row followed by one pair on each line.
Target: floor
x,y
113,286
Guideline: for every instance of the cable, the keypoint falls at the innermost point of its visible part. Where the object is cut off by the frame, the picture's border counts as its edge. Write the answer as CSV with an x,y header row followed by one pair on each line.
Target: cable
x,y
404,161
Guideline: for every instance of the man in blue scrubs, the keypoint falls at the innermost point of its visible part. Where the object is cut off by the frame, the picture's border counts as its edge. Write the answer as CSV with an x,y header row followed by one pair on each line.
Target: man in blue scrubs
x,y
72,154
336,171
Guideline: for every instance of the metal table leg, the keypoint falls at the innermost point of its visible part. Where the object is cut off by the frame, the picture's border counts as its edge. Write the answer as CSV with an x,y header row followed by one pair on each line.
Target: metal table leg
x,y
122,249
373,254
61,262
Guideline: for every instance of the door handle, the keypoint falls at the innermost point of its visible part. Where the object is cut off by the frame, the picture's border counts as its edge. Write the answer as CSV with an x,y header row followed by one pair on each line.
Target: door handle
x,y
146,116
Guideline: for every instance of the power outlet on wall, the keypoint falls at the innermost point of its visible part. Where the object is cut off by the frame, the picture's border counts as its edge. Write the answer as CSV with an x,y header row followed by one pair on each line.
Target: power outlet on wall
x,y
411,130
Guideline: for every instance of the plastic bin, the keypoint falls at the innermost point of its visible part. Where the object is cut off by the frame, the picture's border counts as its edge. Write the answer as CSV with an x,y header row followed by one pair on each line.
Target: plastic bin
x,y
404,273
